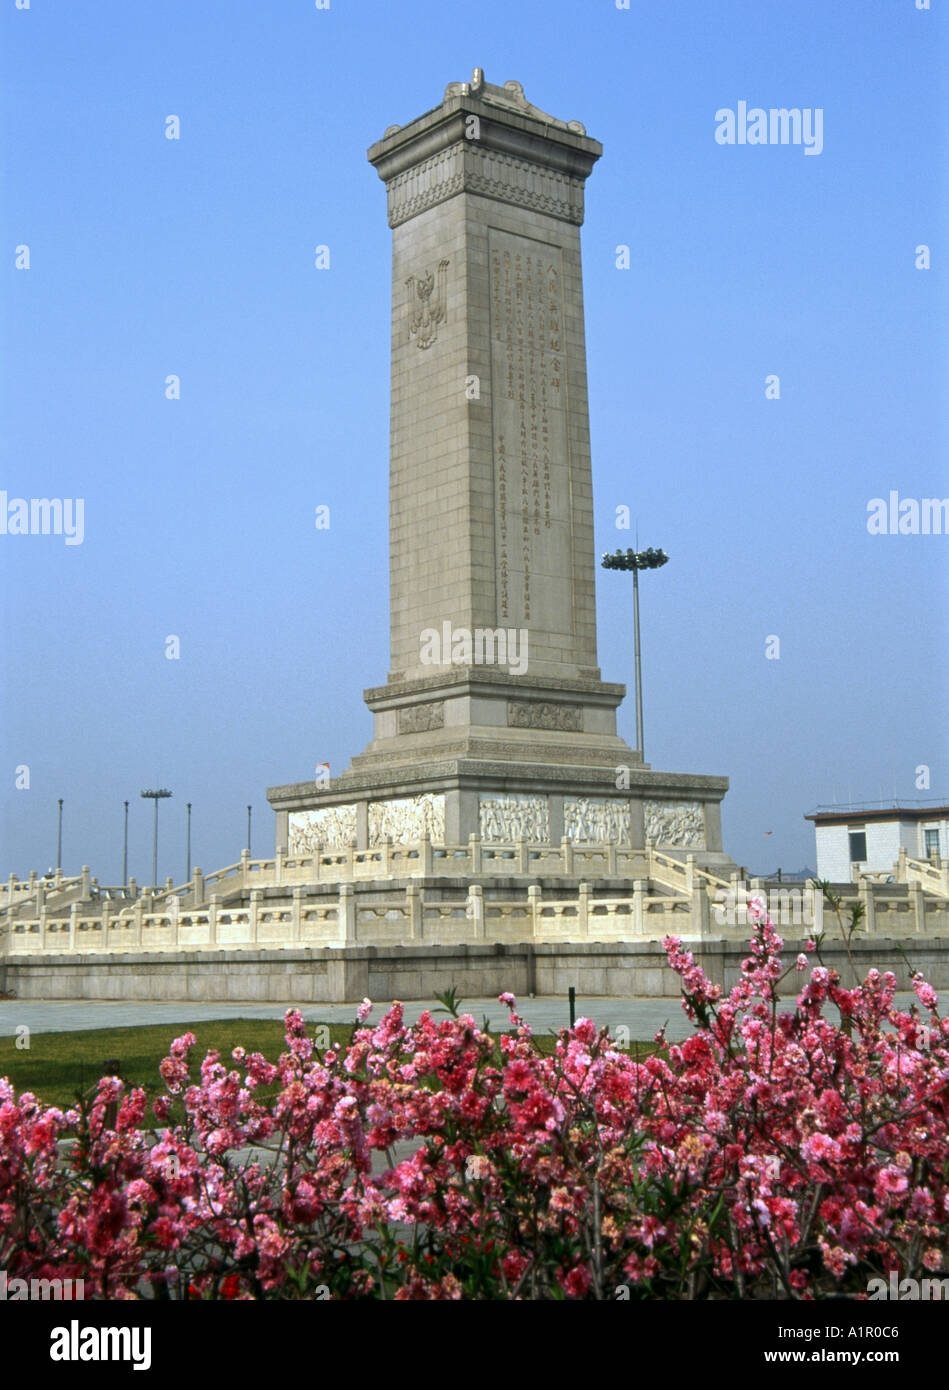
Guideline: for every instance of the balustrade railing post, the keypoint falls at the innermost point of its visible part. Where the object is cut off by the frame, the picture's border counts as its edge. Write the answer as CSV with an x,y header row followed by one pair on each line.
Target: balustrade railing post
x,y
583,910
639,908
413,903
474,854
474,909
701,916
534,902
566,850
865,894
347,914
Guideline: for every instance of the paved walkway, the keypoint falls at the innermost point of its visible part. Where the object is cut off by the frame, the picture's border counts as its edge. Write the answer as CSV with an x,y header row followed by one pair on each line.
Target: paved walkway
x,y
641,1016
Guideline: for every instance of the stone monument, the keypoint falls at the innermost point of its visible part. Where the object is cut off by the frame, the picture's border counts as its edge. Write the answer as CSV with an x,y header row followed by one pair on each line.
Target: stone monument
x,y
494,720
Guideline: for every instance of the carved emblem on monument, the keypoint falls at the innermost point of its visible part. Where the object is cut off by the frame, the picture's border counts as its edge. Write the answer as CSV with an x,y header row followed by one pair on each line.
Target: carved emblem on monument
x,y
407,819
427,305
595,820
677,823
541,714
419,719
504,819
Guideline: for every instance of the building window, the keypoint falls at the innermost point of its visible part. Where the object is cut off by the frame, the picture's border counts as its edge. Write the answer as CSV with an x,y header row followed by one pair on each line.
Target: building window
x,y
858,846
931,843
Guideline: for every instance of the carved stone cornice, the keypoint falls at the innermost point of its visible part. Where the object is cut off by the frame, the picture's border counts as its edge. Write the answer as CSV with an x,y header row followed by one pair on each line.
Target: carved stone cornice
x,y
469,167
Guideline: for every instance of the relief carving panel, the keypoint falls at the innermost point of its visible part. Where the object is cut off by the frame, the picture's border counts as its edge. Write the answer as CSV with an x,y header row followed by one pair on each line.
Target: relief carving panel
x,y
419,719
407,819
677,823
504,819
595,820
333,827
540,714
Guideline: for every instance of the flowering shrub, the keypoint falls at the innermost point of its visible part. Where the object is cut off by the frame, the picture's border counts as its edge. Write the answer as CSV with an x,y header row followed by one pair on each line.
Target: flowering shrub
x,y
770,1155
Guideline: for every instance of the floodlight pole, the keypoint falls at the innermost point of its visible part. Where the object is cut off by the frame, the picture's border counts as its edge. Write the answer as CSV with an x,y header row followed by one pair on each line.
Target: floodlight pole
x,y
159,795
636,560
639,667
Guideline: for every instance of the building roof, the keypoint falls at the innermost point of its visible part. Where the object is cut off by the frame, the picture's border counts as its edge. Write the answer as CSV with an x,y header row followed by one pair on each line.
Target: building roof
x,y
878,811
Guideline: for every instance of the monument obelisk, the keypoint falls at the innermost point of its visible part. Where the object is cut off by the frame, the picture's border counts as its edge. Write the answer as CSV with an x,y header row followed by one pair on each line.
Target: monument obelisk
x,y
494,720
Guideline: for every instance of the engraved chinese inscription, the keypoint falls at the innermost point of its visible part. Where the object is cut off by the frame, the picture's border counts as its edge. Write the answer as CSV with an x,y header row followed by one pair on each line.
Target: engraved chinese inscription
x,y
529,422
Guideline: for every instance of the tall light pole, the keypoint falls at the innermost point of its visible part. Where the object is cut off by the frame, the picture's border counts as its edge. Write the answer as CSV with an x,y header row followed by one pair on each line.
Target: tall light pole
x,y
188,874
155,796
125,847
59,838
248,830
636,560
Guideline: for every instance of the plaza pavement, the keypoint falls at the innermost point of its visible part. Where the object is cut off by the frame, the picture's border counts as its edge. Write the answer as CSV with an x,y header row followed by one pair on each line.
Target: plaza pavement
x,y
643,1017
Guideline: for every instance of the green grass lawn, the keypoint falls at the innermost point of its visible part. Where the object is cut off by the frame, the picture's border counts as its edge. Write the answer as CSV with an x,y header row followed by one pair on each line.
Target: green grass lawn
x,y
57,1065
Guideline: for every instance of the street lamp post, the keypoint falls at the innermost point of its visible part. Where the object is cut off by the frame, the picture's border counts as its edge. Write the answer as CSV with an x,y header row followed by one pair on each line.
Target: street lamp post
x,y
636,560
188,874
248,830
125,847
59,838
159,795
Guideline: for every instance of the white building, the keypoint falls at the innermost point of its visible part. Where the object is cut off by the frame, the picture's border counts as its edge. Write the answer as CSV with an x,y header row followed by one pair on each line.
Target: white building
x,y
851,839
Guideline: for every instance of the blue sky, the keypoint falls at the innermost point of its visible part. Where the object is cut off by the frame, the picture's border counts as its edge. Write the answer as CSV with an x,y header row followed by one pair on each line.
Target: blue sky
x,y
195,257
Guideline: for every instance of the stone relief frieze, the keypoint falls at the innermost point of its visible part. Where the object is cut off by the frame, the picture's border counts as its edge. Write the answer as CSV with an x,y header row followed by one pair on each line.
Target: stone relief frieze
x,y
490,173
504,819
677,823
333,827
542,714
419,719
406,819
595,820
